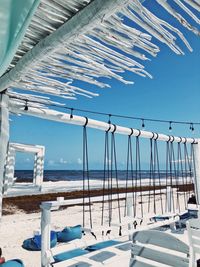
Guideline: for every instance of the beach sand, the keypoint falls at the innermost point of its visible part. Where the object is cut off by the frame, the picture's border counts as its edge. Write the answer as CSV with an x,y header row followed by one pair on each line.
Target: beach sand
x,y
23,218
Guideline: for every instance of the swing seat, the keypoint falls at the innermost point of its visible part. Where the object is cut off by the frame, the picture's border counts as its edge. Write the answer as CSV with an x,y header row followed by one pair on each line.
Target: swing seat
x,y
102,245
70,254
69,234
34,243
12,263
160,218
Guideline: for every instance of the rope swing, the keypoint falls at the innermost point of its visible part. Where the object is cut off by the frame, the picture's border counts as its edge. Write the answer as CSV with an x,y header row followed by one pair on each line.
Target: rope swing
x,y
86,179
138,172
111,176
175,182
129,162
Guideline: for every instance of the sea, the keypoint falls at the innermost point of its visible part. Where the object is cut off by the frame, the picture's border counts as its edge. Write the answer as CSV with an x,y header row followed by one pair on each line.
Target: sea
x,y
77,175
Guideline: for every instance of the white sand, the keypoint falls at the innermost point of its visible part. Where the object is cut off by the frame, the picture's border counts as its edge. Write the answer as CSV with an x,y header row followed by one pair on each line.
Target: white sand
x,y
14,229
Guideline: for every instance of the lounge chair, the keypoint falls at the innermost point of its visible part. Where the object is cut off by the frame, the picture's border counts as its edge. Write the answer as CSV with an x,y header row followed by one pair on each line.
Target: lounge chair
x,y
152,248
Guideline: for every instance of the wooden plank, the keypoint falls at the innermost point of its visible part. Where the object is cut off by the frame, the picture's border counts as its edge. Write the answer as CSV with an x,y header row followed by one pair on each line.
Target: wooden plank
x,y
159,256
161,239
136,263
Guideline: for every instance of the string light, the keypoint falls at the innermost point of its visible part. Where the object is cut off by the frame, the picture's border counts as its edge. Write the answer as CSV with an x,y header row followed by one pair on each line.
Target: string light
x,y
170,126
71,115
109,121
26,106
143,125
118,116
191,127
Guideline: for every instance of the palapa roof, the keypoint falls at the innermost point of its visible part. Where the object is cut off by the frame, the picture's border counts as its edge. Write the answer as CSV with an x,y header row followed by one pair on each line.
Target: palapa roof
x,y
91,41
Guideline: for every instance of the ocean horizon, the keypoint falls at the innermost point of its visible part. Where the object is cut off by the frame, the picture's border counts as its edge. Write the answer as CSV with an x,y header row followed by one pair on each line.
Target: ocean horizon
x,y
76,175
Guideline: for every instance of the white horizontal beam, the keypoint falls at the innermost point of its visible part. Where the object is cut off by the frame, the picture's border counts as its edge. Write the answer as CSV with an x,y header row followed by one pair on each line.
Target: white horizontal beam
x,y
26,148
54,115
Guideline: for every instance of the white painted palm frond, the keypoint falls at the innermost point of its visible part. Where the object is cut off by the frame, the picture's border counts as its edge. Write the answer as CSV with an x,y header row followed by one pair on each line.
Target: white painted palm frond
x,y
95,41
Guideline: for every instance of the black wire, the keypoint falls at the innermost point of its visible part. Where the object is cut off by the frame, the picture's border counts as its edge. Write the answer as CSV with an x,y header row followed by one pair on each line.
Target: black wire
x,y
105,175
154,179
195,175
109,114
83,176
186,172
167,172
116,176
127,175
150,172
138,170
171,171
192,165
159,176
86,176
182,173
175,176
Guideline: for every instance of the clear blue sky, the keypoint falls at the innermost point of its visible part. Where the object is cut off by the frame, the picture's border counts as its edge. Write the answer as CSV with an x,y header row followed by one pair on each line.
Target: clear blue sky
x,y
173,94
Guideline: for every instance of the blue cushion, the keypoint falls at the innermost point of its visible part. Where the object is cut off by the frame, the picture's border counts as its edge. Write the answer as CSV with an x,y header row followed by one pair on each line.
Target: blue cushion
x,y
34,243
185,215
102,245
160,218
70,254
70,233
193,213
12,263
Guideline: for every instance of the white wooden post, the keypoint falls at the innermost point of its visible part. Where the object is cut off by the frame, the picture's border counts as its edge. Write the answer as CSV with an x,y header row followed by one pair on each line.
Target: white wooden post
x,y
39,167
34,169
45,233
197,170
4,138
169,199
129,206
9,170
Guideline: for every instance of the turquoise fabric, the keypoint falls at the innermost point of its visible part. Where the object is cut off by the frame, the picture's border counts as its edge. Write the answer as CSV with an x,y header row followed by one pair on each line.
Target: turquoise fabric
x,y
15,16
34,243
70,254
70,233
12,263
102,245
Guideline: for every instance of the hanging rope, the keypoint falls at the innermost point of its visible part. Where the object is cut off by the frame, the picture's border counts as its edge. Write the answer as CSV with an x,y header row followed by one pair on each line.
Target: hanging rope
x,y
186,165
129,162
138,171
180,164
157,163
194,173
150,171
86,179
171,149
115,172
106,175
173,160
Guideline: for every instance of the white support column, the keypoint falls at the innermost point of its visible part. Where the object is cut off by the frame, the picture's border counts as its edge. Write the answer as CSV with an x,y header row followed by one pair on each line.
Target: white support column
x,y
34,169
129,206
169,199
4,138
9,170
45,233
197,171
39,167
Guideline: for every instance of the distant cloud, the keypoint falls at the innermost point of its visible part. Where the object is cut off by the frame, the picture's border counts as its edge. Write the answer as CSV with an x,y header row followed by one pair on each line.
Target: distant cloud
x,y
62,161
79,161
27,160
51,162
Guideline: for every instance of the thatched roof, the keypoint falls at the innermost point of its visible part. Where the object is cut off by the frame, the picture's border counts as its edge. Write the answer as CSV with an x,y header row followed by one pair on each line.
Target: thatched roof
x,y
92,42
